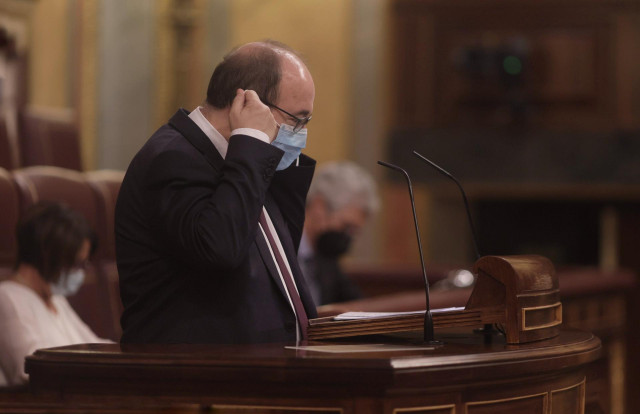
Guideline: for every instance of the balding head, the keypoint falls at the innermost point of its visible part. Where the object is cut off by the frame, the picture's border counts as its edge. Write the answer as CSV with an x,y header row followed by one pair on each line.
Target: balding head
x,y
258,66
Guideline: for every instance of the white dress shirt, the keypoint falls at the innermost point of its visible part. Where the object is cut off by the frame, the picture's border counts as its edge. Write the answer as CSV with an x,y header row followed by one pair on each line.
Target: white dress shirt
x,y
27,324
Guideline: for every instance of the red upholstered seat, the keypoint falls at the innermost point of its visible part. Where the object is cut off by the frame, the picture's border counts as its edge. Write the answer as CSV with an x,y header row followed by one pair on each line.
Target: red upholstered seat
x,y
94,301
50,137
9,150
46,183
10,211
106,185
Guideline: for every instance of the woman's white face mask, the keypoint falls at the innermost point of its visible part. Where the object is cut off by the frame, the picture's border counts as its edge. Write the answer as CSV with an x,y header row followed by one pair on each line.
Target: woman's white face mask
x,y
69,282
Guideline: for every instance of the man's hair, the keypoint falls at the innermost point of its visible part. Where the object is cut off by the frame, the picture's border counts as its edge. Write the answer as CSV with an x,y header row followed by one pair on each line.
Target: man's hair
x,y
258,69
49,237
342,183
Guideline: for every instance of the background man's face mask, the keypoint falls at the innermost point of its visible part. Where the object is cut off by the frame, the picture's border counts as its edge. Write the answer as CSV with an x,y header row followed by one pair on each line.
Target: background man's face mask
x,y
291,143
333,243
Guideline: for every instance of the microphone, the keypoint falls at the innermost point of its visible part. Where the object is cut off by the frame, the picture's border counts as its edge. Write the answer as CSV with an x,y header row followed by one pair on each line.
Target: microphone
x,y
464,197
487,330
428,318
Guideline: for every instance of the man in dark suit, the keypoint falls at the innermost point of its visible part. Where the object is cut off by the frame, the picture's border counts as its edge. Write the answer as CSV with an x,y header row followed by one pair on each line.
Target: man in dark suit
x,y
210,212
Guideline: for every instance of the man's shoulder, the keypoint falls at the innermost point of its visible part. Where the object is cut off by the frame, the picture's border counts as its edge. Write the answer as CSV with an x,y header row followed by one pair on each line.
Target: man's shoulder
x,y
165,139
168,135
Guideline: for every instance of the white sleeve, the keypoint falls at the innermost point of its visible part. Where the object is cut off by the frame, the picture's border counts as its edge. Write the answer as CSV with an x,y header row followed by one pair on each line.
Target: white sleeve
x,y
255,133
81,328
18,339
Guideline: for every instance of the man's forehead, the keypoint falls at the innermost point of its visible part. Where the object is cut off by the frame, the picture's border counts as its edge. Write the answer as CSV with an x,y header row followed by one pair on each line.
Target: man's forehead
x,y
297,90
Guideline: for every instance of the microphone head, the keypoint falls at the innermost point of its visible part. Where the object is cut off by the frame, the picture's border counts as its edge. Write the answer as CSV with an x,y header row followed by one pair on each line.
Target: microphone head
x,y
464,197
395,167
434,165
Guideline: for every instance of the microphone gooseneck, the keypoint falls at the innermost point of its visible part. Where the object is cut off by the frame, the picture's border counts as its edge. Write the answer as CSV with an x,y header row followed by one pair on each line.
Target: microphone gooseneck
x,y
428,318
464,197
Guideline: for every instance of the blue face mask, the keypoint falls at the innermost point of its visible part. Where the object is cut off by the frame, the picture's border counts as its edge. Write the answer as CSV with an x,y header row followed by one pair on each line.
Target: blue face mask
x,y
69,283
291,143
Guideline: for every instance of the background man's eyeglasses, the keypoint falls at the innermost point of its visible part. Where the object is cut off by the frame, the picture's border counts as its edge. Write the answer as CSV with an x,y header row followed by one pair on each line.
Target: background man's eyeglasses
x,y
300,122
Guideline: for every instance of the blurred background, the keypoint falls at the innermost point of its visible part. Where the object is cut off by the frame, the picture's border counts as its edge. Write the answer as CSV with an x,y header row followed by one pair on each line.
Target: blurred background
x,y
533,105
535,108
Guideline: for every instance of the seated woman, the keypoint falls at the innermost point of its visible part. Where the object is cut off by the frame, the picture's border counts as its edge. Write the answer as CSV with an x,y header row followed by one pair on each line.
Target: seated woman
x,y
54,244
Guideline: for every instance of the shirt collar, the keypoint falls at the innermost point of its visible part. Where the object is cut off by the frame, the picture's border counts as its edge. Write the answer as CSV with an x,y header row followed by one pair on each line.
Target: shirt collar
x,y
216,138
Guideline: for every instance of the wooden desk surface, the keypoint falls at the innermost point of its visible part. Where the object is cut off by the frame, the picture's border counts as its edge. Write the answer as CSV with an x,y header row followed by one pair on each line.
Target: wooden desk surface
x,y
465,371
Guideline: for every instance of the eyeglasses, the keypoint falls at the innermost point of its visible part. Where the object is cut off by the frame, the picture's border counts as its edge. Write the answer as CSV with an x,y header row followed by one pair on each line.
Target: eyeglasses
x,y
300,122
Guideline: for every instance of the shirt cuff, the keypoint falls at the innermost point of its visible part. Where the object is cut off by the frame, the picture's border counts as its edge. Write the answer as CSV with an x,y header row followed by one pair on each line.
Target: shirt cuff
x,y
255,133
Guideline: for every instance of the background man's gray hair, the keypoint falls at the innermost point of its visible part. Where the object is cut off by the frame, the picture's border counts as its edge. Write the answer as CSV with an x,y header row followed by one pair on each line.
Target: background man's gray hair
x,y
342,183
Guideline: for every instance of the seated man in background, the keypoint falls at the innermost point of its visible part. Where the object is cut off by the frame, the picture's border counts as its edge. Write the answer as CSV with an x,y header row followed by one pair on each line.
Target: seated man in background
x,y
341,199
54,244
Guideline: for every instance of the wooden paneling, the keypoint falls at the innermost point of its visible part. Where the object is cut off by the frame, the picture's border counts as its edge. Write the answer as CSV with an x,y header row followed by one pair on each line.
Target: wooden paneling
x,y
569,400
534,404
578,64
265,409
439,409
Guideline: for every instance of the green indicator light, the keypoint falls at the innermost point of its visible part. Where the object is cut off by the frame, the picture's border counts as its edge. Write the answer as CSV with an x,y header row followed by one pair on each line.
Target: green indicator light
x,y
512,65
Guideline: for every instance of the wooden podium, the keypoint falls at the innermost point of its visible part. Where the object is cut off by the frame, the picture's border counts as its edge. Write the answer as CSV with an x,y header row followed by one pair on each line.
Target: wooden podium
x,y
520,294
534,368
466,375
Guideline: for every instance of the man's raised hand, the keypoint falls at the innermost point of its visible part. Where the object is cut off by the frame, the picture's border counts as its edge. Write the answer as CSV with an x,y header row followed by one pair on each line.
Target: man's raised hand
x,y
247,111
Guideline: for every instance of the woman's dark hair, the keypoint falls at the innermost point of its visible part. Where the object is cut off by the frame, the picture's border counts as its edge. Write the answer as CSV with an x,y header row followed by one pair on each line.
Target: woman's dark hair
x,y
49,237
257,69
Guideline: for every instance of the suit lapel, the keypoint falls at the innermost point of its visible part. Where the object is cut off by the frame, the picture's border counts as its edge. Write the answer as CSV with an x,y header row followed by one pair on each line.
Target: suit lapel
x,y
263,248
192,133
287,245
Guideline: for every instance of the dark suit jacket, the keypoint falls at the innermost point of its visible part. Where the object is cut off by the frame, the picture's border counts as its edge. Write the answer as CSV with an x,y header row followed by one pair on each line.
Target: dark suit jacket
x,y
193,265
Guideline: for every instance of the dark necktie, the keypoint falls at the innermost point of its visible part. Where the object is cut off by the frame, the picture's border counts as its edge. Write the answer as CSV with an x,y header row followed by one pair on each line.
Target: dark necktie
x,y
288,278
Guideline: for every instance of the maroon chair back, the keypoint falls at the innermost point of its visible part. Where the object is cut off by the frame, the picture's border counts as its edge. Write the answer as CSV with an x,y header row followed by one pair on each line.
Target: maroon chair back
x,y
9,150
106,186
50,137
46,183
9,216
